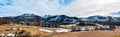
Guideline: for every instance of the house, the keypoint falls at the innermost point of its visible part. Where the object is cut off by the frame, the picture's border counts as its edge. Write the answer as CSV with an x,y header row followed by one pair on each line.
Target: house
x,y
105,27
83,28
38,23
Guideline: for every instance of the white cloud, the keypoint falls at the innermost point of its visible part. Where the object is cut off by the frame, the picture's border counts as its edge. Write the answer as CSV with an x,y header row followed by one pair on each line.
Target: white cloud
x,y
53,7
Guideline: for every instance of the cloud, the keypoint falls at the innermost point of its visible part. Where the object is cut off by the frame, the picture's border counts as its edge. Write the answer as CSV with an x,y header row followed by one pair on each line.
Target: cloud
x,y
77,8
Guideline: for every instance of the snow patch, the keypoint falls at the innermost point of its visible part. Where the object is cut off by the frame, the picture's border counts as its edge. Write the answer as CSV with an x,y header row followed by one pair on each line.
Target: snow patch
x,y
46,30
63,30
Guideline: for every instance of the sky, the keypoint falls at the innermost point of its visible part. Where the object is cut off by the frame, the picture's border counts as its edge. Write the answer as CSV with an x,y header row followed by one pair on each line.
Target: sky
x,y
77,8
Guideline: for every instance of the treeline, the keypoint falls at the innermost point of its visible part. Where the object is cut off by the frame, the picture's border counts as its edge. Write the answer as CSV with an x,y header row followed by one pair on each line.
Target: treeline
x,y
6,20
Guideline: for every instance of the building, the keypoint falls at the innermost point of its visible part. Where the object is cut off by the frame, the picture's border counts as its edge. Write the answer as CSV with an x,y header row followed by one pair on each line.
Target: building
x,y
83,28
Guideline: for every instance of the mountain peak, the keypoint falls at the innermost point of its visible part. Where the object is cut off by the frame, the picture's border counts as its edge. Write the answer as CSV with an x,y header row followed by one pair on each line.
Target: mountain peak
x,y
28,15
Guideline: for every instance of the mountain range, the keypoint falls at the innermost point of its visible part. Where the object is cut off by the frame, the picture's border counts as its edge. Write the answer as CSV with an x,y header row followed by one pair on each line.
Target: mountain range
x,y
63,18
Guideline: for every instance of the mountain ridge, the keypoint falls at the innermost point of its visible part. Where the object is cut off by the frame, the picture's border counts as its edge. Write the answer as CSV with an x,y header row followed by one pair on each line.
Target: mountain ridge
x,y
63,18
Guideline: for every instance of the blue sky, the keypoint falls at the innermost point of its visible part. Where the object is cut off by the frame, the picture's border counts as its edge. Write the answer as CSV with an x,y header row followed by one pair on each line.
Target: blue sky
x,y
78,8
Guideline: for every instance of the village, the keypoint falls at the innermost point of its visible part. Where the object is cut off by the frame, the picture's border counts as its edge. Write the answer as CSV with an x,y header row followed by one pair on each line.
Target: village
x,y
88,26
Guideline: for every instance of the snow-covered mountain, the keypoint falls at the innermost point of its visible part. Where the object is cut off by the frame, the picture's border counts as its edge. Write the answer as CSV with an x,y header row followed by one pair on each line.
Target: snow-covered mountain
x,y
98,18
60,18
63,18
30,17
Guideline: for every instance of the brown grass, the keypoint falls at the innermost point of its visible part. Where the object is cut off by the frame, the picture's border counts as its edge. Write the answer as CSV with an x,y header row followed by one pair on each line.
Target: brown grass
x,y
35,32
30,30
98,33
